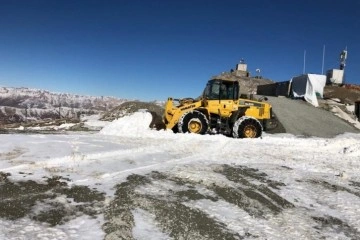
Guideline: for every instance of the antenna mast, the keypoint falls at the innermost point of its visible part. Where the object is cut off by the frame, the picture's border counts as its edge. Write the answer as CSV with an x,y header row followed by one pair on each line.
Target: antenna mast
x,y
323,59
343,56
304,61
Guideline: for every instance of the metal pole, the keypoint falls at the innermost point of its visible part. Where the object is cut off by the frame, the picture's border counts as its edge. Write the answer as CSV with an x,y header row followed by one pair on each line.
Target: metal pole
x,y
304,61
322,68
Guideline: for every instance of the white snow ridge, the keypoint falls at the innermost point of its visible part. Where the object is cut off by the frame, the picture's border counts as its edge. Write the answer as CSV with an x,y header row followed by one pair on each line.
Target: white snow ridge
x,y
135,125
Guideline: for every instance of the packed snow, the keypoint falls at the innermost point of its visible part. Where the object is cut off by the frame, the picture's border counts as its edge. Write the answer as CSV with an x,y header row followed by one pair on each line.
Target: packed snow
x,y
319,179
93,122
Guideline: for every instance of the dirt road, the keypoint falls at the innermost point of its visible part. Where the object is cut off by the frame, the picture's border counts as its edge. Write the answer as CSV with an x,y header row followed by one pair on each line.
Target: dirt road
x,y
300,118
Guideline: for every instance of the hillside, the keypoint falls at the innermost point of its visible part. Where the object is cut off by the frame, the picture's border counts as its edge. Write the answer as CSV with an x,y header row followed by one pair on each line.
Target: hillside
x,y
347,94
248,85
25,104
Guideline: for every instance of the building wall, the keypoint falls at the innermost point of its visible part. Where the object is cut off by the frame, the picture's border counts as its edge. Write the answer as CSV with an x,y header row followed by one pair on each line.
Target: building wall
x,y
267,90
282,88
335,76
241,67
275,89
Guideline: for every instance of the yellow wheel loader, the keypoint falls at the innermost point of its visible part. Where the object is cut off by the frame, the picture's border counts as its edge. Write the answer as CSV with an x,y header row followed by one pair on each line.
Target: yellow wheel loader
x,y
218,110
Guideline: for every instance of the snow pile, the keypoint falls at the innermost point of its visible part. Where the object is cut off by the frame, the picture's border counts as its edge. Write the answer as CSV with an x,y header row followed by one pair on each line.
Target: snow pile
x,y
135,125
62,127
350,108
340,113
93,122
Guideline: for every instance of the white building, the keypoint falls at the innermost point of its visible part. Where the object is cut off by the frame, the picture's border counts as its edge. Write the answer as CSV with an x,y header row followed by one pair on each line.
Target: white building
x,y
335,76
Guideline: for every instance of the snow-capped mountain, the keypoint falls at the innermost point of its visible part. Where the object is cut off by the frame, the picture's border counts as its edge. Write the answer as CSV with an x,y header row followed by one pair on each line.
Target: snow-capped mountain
x,y
21,104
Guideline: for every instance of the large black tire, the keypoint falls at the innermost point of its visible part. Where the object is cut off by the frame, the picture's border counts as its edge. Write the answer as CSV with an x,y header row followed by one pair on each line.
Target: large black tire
x,y
247,127
193,122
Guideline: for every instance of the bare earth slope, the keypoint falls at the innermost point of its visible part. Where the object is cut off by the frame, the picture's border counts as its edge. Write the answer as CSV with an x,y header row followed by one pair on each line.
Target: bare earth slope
x,y
300,118
347,94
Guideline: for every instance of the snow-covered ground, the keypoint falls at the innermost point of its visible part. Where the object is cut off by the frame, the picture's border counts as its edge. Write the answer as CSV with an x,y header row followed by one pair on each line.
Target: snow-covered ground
x,y
92,122
348,116
186,186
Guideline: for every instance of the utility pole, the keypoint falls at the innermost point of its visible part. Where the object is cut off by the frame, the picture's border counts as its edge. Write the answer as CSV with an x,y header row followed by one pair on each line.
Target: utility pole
x,y
323,59
304,61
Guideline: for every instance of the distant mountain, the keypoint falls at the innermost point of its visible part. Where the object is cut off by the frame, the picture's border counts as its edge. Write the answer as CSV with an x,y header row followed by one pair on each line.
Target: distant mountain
x,y
25,104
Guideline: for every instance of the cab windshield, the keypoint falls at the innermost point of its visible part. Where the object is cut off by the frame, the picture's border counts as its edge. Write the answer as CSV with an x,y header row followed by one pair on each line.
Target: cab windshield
x,y
221,90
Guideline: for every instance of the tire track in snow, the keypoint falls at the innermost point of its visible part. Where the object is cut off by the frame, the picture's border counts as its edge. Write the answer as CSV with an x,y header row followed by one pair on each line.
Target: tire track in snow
x,y
176,199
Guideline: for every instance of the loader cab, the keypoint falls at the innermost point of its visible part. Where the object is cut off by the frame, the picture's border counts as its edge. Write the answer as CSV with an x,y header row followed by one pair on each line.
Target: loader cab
x,y
220,97
221,90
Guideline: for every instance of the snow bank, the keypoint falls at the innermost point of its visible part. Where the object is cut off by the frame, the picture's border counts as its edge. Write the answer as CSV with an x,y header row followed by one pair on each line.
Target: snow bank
x,y
135,125
93,122
350,108
340,113
65,126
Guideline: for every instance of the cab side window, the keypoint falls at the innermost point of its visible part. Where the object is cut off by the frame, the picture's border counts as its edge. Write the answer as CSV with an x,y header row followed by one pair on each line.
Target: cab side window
x,y
223,91
212,91
227,91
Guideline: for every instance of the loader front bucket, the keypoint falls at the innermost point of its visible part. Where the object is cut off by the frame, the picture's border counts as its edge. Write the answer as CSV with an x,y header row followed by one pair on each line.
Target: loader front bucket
x,y
157,122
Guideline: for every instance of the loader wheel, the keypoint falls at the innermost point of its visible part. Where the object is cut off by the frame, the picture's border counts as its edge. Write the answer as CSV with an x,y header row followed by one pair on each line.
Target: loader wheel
x,y
247,127
193,122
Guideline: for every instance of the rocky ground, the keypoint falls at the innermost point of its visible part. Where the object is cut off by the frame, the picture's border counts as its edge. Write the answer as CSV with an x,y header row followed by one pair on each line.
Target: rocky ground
x,y
300,118
171,208
261,190
346,94
18,199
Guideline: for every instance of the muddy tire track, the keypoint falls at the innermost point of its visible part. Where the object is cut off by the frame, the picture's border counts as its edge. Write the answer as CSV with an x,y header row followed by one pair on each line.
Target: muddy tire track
x,y
20,199
175,217
333,224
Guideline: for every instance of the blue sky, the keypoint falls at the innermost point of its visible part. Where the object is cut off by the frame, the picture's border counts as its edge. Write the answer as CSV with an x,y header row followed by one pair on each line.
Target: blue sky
x,y
151,50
